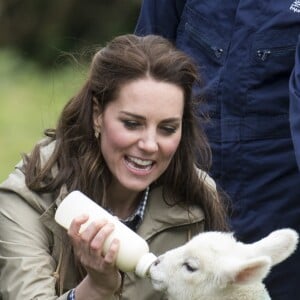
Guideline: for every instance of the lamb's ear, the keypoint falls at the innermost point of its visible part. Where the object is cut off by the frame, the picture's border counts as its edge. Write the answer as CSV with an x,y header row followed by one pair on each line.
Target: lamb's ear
x,y
251,270
278,245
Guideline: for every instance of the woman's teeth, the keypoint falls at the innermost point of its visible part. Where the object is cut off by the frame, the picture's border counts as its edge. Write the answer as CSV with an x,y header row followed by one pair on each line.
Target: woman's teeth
x,y
139,163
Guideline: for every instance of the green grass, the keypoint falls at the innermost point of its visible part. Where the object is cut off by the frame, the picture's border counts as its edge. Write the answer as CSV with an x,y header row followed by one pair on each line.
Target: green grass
x,y
30,101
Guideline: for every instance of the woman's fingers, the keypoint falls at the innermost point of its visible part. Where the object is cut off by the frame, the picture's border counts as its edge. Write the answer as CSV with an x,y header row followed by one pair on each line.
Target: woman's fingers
x,y
100,237
76,223
88,239
111,254
89,243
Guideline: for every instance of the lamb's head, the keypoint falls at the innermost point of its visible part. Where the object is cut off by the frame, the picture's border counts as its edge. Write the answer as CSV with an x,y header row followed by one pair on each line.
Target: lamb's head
x,y
214,263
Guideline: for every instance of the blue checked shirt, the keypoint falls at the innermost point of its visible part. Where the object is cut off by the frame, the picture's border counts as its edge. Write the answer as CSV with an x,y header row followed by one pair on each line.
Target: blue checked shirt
x,y
136,218
71,295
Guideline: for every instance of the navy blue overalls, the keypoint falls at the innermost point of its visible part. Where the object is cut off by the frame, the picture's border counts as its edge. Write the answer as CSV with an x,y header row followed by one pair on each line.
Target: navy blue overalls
x,y
246,52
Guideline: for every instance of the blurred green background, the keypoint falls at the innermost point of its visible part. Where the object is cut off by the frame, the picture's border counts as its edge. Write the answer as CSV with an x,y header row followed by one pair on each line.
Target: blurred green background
x,y
45,48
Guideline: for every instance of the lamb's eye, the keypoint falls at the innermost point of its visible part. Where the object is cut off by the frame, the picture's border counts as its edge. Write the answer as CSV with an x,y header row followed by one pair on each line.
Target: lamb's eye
x,y
189,267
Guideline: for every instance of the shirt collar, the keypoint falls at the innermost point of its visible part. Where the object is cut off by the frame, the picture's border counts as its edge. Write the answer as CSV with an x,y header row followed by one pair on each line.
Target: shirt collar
x,y
136,218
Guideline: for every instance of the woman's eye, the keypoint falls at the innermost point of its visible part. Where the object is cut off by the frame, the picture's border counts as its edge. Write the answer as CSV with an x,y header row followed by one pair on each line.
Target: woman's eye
x,y
169,129
130,124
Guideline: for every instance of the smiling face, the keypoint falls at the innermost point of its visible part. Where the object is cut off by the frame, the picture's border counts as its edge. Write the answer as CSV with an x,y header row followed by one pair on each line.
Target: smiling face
x,y
141,131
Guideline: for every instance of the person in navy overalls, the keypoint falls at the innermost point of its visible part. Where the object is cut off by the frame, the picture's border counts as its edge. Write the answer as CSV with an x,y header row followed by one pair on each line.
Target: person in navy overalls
x,y
245,51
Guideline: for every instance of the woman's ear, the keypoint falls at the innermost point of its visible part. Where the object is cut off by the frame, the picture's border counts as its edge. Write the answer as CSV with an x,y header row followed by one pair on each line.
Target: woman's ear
x,y
97,116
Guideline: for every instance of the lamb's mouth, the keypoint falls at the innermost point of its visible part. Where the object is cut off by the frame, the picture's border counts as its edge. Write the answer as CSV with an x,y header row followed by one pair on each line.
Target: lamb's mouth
x,y
158,284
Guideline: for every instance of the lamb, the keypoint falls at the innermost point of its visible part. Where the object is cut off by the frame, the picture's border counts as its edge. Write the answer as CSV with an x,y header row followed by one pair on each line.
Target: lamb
x,y
215,266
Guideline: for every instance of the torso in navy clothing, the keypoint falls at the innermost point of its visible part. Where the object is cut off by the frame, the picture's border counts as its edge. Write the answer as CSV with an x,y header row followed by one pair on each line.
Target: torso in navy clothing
x,y
246,52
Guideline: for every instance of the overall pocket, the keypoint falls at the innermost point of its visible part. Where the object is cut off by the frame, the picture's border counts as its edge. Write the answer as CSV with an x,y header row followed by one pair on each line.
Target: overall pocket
x,y
202,39
272,61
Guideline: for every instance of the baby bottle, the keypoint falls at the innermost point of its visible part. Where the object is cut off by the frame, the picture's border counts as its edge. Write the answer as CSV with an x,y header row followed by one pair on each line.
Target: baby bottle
x,y
133,255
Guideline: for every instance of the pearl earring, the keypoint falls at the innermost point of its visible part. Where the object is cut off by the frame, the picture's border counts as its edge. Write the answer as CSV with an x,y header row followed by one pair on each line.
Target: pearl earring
x,y
97,134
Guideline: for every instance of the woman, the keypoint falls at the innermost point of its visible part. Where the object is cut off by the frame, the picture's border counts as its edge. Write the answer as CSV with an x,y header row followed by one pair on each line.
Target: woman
x,y
129,140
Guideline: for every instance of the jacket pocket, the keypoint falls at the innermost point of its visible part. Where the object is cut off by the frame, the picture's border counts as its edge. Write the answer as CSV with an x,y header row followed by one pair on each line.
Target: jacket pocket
x,y
272,60
212,49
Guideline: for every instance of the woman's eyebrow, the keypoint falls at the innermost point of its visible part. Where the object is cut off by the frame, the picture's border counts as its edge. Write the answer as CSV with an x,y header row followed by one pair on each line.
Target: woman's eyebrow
x,y
129,114
136,116
171,120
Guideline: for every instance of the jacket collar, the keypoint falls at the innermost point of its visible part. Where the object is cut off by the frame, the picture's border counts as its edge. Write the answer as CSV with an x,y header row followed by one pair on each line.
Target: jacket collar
x,y
160,216
47,218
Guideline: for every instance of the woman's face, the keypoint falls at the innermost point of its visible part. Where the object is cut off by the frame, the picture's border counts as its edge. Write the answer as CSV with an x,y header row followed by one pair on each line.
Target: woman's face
x,y
141,131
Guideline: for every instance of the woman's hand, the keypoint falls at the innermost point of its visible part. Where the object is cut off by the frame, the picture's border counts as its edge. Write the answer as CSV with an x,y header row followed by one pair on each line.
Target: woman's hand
x,y
103,275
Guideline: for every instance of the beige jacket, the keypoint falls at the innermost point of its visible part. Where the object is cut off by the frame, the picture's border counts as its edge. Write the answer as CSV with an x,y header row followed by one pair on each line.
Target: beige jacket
x,y
30,241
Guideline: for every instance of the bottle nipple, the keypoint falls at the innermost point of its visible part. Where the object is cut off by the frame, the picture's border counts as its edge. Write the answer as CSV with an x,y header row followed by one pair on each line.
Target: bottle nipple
x,y
144,264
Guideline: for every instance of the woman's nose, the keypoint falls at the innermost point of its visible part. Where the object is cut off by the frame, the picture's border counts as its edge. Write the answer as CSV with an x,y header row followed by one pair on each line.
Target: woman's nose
x,y
148,142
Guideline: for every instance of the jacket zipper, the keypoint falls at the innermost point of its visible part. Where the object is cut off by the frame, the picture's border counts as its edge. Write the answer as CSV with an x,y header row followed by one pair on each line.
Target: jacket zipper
x,y
263,54
214,51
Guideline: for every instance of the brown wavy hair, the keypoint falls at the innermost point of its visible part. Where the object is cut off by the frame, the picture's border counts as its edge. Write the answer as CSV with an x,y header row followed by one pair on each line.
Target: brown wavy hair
x,y
76,155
